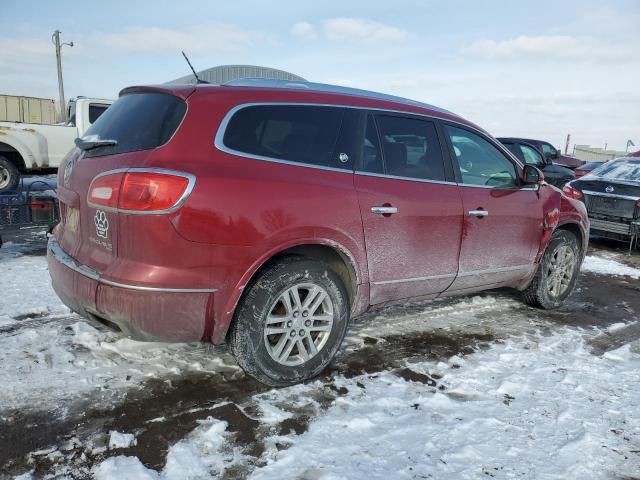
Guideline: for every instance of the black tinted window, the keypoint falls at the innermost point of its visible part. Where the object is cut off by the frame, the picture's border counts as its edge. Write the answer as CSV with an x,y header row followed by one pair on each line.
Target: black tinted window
x,y
297,133
479,161
137,121
95,111
371,155
411,148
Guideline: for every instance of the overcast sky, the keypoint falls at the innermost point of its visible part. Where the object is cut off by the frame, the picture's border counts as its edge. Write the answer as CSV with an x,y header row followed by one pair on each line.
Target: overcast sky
x,y
523,68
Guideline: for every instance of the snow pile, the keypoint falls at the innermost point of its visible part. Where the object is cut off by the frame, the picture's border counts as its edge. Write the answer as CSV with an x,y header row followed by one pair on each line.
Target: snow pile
x,y
58,359
201,455
608,266
121,440
25,288
528,408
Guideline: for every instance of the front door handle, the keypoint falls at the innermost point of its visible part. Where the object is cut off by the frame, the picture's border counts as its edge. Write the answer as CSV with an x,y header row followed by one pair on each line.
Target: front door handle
x,y
478,213
384,210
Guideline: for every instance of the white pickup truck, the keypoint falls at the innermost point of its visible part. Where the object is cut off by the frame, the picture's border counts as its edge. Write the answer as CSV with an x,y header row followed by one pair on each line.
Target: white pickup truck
x,y
31,147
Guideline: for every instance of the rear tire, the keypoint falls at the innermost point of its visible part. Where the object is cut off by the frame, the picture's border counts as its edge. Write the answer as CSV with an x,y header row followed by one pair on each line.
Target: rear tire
x,y
9,175
290,322
557,272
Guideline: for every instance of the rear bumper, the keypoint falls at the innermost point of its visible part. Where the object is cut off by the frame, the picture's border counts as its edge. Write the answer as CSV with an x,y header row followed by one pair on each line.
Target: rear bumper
x,y
144,313
617,227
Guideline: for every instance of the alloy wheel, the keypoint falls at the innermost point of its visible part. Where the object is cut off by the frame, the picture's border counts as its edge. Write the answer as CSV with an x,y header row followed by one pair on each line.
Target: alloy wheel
x,y
298,324
560,270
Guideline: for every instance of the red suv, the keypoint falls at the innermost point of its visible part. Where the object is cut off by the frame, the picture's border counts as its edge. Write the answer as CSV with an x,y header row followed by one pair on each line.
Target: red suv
x,y
267,214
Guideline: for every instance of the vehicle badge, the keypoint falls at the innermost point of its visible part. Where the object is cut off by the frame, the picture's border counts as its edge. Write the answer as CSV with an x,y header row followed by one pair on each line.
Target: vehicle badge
x,y
102,224
609,189
343,157
68,169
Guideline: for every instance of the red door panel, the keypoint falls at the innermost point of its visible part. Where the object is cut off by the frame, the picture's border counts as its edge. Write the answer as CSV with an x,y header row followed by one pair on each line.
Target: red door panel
x,y
502,231
414,251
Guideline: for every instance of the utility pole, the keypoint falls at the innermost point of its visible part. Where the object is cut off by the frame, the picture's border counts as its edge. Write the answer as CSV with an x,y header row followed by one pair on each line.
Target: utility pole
x,y
566,145
63,106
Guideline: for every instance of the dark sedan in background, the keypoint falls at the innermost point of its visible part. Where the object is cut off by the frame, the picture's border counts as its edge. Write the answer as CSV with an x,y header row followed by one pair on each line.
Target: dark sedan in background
x,y
611,194
582,170
549,152
527,153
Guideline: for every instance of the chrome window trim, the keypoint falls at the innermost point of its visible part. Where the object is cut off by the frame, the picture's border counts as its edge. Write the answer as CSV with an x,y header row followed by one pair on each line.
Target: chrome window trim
x,y
328,88
219,137
64,258
396,177
219,140
609,195
183,198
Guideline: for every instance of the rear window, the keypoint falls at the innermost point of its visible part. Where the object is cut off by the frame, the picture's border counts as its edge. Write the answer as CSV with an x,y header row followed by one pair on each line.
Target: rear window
x,y
137,121
297,133
620,170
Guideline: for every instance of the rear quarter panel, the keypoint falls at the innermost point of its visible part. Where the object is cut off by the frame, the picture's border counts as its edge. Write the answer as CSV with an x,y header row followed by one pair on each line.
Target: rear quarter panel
x,y
248,210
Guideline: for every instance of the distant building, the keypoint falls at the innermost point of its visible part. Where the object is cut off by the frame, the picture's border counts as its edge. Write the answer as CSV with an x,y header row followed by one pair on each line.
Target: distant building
x,y
226,73
595,154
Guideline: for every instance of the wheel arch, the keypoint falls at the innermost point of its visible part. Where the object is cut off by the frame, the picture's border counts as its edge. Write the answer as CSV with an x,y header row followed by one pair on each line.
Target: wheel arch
x,y
339,259
576,229
16,154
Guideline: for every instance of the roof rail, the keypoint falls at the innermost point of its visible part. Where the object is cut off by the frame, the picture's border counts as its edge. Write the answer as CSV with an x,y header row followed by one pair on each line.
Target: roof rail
x,y
323,87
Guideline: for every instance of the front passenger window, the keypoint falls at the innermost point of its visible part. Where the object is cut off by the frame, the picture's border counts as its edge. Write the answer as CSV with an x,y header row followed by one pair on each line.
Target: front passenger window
x,y
480,162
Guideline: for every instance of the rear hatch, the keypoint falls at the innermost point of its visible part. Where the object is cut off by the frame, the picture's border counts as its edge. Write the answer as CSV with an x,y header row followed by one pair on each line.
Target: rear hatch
x,y
125,136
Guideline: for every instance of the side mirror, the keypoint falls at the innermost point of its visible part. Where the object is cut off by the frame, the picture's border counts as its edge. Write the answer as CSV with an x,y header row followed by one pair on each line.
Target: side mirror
x,y
532,176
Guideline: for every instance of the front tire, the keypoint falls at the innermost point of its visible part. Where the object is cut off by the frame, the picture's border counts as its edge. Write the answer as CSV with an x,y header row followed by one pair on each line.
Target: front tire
x,y
291,322
9,175
557,272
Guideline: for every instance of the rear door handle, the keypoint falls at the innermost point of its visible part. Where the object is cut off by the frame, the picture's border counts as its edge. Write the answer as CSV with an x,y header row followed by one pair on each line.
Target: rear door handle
x,y
384,210
478,213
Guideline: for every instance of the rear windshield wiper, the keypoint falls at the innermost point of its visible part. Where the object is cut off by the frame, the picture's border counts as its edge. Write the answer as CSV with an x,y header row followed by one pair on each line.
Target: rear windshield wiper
x,y
89,143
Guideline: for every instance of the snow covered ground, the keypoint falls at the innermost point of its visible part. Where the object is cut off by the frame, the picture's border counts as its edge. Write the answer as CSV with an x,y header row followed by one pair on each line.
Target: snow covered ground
x,y
465,388
541,407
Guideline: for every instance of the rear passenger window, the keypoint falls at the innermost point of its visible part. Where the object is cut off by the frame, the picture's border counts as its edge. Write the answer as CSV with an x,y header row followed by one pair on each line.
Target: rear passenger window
x,y
297,133
410,148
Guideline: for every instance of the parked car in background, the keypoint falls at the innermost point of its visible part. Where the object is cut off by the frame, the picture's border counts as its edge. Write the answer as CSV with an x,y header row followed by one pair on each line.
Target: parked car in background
x,y
553,174
39,148
267,213
33,204
582,170
550,153
611,194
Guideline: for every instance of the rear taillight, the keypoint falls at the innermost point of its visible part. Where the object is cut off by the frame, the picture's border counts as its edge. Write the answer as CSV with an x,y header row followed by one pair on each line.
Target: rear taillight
x,y
105,190
142,190
571,192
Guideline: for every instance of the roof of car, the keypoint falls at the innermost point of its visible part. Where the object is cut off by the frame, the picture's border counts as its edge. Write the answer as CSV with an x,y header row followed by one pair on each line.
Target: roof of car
x,y
327,88
519,139
293,89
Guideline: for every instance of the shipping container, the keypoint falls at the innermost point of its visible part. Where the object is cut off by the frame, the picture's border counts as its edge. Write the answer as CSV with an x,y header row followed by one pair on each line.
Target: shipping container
x,y
27,110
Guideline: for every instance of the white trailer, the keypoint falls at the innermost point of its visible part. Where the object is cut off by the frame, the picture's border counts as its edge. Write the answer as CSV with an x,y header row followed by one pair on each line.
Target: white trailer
x,y
27,109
